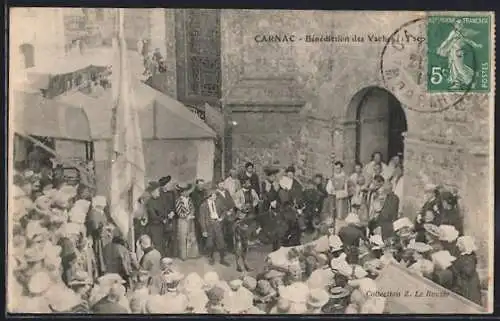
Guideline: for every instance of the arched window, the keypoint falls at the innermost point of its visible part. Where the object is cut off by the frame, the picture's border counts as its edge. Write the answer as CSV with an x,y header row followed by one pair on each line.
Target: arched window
x,y
198,56
28,52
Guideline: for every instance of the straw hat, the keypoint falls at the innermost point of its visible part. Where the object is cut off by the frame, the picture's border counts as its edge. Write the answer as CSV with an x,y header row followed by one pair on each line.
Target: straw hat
x,y
448,233
317,298
339,292
182,187
110,279
401,223
80,278
342,267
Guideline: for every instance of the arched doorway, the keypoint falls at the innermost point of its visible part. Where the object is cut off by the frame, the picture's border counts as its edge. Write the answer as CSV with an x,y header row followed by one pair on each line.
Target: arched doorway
x,y
378,123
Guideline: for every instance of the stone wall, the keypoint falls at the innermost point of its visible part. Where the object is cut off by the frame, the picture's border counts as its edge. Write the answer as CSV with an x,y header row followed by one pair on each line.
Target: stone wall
x,y
439,145
265,138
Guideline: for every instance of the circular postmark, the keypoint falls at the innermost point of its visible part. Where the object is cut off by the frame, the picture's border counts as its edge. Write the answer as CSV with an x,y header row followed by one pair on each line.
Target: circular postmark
x,y
404,70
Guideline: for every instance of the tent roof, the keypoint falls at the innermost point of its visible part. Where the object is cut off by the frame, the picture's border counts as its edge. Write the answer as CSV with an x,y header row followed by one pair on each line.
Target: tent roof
x,y
160,116
35,115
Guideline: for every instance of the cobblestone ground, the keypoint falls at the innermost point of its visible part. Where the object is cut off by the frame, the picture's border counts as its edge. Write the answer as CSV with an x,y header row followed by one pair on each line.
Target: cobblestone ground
x,y
256,258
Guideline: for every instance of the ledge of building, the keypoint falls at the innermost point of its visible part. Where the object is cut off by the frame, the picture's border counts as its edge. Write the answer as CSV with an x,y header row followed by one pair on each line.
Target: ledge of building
x,y
283,94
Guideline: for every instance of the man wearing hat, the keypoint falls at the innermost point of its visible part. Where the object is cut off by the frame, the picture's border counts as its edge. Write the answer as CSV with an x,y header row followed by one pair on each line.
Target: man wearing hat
x,y
316,301
270,188
296,189
432,204
157,218
212,213
198,195
168,202
117,258
247,196
249,174
158,282
352,235
450,211
388,212
227,201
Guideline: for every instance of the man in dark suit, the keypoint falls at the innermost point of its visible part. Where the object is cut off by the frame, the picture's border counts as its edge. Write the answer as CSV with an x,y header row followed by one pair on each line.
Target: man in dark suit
x,y
296,190
198,195
270,188
212,213
156,217
389,212
226,202
167,200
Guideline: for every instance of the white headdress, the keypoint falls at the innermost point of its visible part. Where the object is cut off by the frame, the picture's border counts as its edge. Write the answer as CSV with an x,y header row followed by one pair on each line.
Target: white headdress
x,y
448,233
466,244
352,218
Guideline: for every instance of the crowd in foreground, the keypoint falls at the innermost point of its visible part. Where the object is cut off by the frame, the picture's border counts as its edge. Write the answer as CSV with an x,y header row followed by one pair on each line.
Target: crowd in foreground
x,y
66,255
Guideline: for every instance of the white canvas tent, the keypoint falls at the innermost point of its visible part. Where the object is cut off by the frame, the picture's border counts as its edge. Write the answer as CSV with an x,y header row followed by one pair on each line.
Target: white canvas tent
x,y
176,142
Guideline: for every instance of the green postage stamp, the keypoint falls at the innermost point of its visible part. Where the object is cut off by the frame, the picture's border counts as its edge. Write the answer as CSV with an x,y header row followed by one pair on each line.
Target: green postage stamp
x,y
459,53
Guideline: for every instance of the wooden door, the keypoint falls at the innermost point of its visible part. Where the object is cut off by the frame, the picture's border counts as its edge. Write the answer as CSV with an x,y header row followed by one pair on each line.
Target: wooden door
x,y
373,122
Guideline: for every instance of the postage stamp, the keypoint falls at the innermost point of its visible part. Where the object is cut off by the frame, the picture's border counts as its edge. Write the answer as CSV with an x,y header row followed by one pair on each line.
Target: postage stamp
x,y
458,51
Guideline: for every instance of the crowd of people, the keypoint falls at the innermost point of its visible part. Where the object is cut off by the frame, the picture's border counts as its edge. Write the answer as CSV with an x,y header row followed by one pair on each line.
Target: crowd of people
x,y
67,255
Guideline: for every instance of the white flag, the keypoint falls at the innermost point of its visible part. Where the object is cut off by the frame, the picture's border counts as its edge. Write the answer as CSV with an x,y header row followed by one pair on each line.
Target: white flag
x,y
127,167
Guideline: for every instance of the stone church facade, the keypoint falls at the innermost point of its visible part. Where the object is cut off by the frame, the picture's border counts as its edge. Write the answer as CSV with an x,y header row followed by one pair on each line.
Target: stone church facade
x,y
296,103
